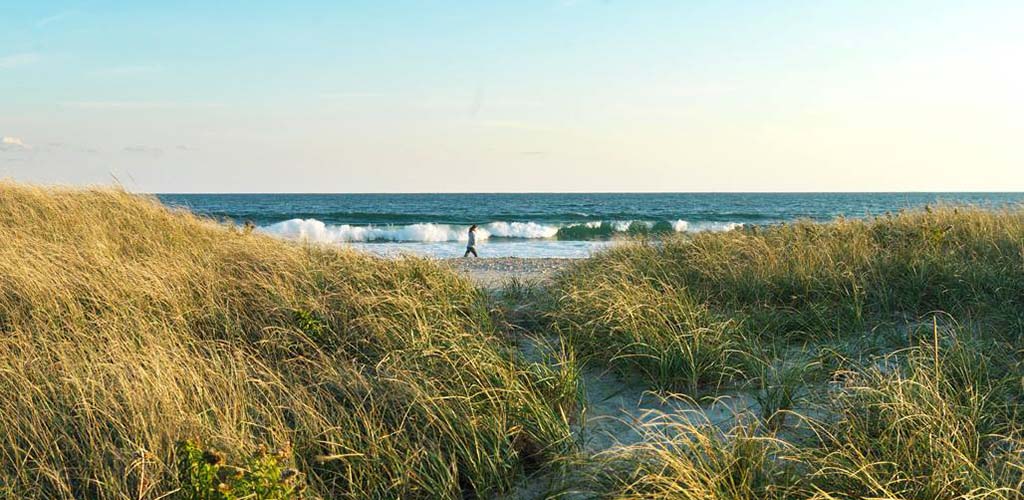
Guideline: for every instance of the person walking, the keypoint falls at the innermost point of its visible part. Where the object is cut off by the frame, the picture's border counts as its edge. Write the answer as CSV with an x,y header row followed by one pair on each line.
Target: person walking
x,y
471,244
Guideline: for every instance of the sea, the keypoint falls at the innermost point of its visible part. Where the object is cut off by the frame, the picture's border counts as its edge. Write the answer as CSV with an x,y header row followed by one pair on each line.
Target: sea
x,y
572,225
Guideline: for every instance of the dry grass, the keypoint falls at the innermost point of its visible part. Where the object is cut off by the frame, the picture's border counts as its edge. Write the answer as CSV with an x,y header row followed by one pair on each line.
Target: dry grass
x,y
879,402
678,309
923,423
127,328
940,420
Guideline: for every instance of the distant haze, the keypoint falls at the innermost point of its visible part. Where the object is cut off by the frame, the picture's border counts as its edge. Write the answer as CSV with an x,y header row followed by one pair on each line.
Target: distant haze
x,y
555,95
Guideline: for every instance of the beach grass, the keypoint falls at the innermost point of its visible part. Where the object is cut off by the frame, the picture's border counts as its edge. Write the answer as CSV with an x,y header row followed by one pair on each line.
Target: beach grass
x,y
935,421
149,352
146,353
883,356
682,310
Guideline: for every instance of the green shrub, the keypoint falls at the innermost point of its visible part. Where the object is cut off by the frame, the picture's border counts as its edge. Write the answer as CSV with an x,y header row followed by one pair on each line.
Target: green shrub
x,y
206,475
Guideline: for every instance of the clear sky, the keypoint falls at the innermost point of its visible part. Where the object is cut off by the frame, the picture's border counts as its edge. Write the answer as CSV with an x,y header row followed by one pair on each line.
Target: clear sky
x,y
524,95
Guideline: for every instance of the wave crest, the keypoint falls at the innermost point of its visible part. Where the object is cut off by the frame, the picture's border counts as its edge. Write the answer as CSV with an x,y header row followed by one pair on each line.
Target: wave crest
x,y
317,231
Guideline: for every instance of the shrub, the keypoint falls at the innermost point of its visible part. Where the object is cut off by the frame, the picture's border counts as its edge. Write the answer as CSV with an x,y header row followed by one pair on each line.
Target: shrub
x,y
206,475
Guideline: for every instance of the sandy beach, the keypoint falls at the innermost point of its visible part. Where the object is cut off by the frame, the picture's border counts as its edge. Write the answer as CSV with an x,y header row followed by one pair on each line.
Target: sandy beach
x,y
494,272
570,249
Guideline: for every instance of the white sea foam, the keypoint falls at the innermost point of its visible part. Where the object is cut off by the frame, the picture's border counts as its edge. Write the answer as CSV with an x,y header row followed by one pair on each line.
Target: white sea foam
x,y
682,226
715,227
317,231
621,225
520,230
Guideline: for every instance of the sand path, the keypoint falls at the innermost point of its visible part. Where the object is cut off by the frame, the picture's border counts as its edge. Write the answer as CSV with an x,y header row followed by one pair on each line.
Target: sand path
x,y
615,408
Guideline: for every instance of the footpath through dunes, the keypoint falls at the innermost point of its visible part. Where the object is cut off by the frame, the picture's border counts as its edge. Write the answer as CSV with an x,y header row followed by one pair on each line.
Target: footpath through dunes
x,y
883,355
493,274
617,410
146,352
614,403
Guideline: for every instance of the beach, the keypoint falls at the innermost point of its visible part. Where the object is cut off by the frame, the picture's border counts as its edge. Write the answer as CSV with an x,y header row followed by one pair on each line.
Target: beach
x,y
580,376
570,249
493,272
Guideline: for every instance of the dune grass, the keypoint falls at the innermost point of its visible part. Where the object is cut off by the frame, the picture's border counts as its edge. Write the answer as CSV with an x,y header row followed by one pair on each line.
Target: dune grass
x,y
939,420
680,310
146,352
884,355
128,331
935,421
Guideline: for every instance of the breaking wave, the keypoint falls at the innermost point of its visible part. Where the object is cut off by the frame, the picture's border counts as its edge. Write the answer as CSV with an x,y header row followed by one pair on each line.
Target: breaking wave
x,y
317,231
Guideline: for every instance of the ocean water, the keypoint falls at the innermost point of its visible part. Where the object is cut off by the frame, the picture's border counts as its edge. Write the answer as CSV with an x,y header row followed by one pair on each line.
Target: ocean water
x,y
537,225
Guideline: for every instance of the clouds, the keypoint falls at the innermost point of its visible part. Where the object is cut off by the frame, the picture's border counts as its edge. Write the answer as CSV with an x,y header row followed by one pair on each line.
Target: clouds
x,y
54,18
8,143
12,144
14,60
130,70
144,150
139,105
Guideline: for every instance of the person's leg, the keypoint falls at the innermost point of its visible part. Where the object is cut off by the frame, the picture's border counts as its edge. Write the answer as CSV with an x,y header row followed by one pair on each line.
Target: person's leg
x,y
471,249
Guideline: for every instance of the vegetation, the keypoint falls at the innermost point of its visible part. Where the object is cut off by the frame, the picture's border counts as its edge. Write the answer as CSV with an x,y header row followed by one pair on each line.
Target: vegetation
x,y
205,475
936,421
939,420
861,388
683,310
128,329
147,353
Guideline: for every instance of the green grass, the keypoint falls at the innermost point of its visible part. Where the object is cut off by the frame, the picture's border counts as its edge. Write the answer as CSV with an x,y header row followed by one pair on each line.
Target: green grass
x,y
682,459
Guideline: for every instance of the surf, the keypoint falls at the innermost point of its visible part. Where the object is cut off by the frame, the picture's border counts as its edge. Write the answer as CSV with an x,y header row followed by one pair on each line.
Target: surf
x,y
315,230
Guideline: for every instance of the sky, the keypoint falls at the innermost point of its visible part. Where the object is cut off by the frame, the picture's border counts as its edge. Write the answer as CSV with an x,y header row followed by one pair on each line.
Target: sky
x,y
525,95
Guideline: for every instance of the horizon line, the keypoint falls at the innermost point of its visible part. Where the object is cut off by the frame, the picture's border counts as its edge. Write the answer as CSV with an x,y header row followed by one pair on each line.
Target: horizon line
x,y
319,193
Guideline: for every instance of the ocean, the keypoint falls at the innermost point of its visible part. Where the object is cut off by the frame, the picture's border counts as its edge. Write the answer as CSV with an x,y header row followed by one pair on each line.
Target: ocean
x,y
537,224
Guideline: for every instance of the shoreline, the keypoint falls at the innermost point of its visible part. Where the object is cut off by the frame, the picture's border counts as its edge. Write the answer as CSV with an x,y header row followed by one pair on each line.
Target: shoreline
x,y
494,272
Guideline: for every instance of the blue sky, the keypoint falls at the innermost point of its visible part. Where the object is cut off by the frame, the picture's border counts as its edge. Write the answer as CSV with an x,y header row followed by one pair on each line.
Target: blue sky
x,y
558,95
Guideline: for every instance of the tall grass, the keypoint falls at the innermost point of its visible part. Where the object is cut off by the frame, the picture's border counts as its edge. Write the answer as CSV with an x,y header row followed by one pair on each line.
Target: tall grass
x,y
127,328
689,457
937,421
858,396
940,420
675,309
